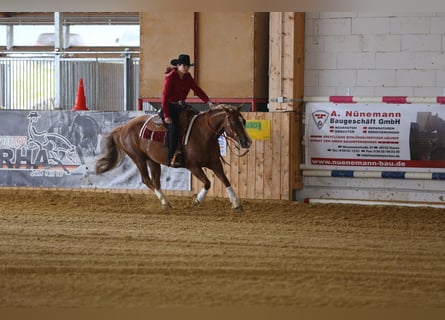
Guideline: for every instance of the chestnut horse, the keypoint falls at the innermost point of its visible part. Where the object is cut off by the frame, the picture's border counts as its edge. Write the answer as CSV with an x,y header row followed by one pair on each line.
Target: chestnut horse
x,y
201,151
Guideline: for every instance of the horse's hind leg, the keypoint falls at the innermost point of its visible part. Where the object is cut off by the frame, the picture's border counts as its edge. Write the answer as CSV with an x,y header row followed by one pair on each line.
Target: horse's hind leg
x,y
155,170
141,164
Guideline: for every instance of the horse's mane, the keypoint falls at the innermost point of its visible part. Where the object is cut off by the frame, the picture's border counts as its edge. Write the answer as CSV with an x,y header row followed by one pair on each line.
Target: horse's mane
x,y
222,107
212,111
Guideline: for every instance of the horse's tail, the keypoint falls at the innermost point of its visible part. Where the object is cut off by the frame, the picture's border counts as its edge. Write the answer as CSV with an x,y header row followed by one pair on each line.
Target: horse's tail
x,y
113,153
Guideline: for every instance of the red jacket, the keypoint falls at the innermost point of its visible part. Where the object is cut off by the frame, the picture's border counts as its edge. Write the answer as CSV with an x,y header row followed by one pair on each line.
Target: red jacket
x,y
176,89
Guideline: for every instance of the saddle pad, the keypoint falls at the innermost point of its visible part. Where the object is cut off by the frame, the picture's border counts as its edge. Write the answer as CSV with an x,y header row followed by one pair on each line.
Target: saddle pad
x,y
153,131
159,136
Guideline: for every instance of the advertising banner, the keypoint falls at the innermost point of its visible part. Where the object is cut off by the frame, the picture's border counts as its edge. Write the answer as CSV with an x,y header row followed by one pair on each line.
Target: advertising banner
x,y
59,149
384,137
258,129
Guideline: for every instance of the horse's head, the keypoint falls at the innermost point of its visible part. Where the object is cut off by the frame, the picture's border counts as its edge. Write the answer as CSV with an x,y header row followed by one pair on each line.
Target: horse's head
x,y
235,125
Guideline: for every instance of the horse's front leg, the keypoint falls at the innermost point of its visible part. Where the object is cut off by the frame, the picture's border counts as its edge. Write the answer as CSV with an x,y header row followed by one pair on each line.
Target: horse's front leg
x,y
219,172
199,173
233,198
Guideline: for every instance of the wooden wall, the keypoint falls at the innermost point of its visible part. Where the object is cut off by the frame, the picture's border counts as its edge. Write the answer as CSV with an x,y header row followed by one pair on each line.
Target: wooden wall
x,y
230,50
264,172
163,37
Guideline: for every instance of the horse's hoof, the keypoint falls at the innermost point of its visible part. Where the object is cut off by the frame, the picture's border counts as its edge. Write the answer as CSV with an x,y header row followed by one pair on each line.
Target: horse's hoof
x,y
195,200
238,209
167,206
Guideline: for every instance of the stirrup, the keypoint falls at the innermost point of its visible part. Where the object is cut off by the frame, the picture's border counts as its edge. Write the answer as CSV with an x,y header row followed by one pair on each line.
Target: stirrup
x,y
175,164
176,161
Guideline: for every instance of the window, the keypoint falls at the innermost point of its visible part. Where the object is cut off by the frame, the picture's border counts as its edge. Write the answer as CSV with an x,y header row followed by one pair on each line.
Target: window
x,y
27,35
108,36
2,36
83,29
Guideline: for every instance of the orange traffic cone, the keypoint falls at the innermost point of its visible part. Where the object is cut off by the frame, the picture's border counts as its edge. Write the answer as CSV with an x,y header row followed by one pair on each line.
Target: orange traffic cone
x,y
80,103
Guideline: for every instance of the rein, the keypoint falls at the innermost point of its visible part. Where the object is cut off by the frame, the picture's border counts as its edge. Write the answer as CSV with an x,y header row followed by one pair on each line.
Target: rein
x,y
236,146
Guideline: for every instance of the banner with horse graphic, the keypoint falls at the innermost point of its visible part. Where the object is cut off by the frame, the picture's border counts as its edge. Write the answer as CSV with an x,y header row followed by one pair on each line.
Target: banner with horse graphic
x,y
59,149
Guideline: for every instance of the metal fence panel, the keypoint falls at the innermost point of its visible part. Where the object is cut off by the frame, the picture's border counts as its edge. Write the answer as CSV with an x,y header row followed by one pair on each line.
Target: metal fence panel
x,y
110,86
134,84
30,83
27,83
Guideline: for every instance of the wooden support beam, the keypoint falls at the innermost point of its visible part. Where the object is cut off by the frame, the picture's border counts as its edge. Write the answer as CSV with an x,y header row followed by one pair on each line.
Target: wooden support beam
x,y
298,76
286,64
286,81
296,127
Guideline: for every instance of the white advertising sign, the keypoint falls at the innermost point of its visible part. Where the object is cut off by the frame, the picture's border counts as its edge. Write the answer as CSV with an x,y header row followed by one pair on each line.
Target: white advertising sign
x,y
388,137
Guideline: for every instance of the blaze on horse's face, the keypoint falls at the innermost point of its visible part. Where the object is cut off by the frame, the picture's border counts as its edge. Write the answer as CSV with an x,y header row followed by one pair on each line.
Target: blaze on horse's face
x,y
235,126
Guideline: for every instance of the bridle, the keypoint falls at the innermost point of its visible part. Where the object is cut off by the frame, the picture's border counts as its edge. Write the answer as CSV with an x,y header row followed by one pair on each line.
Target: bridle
x,y
225,135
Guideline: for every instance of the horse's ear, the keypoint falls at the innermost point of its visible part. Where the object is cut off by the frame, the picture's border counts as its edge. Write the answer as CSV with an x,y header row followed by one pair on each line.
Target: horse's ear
x,y
227,107
239,107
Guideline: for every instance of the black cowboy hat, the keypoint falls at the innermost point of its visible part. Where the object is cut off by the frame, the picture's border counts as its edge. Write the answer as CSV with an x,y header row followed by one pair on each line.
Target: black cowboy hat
x,y
182,59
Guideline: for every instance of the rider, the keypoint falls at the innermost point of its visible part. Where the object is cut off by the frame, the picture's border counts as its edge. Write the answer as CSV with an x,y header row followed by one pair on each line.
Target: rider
x,y
177,85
